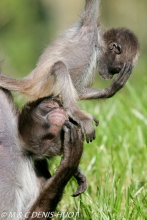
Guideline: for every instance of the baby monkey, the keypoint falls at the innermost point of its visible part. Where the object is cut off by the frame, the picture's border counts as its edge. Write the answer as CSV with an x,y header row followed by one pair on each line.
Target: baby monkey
x,y
67,66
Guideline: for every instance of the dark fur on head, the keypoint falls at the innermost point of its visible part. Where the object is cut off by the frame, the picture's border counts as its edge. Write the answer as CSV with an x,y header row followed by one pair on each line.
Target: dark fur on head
x,y
120,46
126,38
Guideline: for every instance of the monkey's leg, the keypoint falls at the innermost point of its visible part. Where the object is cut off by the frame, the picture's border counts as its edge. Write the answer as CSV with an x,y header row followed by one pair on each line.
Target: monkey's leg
x,y
53,189
41,168
65,87
116,85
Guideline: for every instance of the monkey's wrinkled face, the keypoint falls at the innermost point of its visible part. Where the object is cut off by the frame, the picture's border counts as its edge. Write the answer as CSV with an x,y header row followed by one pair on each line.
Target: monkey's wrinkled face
x,y
45,121
55,117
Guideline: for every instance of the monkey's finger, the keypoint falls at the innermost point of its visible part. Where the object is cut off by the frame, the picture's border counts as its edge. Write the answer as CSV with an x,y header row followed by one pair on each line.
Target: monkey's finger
x,y
116,83
81,179
73,131
125,79
73,134
90,136
119,75
66,134
67,124
96,121
67,146
82,187
82,129
80,134
122,77
65,129
127,73
122,69
129,68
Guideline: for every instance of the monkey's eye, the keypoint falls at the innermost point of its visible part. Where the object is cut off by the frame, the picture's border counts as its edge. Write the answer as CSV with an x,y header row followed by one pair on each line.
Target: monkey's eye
x,y
115,47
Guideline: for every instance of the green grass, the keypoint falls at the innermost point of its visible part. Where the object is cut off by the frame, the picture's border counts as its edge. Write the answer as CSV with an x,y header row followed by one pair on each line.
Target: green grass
x,y
115,164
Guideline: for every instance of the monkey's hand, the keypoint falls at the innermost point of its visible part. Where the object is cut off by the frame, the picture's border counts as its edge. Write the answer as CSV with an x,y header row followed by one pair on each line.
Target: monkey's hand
x,y
81,179
85,121
120,80
72,149
72,138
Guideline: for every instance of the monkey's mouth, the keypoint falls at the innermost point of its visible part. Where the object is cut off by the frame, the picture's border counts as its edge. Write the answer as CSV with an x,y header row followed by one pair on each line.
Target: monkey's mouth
x,y
108,71
57,117
111,72
114,71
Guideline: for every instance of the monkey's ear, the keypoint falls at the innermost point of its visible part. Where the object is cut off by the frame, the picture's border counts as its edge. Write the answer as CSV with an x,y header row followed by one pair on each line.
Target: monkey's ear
x,y
116,47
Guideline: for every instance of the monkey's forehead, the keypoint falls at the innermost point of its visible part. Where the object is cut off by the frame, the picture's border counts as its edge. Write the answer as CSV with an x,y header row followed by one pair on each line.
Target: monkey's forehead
x,y
51,102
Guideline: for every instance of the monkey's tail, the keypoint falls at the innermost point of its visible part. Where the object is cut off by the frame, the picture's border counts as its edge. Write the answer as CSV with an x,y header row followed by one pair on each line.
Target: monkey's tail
x,y
91,12
16,85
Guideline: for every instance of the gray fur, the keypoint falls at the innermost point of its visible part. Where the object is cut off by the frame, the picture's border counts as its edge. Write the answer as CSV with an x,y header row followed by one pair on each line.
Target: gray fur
x,y
67,66
19,186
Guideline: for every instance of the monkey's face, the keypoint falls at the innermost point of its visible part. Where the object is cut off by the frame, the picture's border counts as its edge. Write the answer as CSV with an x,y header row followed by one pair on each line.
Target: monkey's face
x,y
110,61
120,46
45,121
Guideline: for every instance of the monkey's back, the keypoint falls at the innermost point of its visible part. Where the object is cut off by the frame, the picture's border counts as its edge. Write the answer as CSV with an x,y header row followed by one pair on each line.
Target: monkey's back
x,y
76,49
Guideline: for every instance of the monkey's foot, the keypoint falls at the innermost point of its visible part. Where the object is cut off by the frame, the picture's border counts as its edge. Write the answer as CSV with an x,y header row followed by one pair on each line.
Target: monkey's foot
x,y
81,179
88,128
85,121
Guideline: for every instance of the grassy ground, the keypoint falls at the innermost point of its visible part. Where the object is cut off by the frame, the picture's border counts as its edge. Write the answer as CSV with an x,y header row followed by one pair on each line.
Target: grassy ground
x,y
115,164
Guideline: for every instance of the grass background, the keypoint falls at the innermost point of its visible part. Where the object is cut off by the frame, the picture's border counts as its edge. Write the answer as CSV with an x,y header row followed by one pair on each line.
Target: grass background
x,y
115,164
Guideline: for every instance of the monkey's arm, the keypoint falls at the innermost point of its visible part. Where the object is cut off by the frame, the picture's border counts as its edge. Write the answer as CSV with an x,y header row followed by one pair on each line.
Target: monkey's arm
x,y
52,192
116,85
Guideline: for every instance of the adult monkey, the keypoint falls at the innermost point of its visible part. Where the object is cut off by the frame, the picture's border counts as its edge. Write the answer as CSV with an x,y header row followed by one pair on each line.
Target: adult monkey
x,y
25,183
67,66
